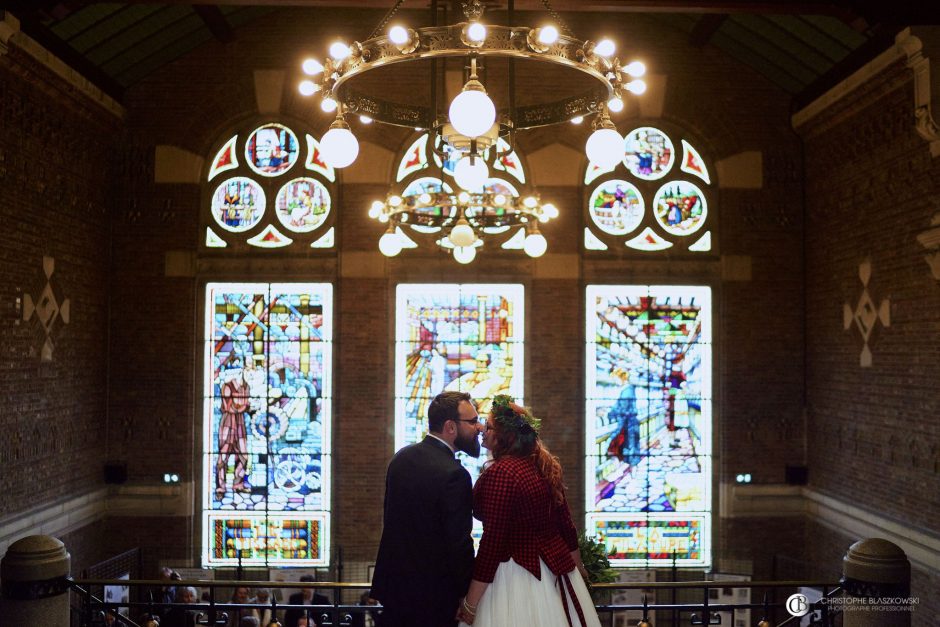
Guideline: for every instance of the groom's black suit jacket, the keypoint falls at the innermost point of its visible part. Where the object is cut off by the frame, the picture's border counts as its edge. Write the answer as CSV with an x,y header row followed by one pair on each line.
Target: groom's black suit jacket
x,y
425,557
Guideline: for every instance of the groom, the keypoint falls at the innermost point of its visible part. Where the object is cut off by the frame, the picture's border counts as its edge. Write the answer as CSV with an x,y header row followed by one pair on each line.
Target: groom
x,y
426,555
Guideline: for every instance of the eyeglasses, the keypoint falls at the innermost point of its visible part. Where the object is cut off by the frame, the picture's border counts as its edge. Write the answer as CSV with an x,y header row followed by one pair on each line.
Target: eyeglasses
x,y
473,421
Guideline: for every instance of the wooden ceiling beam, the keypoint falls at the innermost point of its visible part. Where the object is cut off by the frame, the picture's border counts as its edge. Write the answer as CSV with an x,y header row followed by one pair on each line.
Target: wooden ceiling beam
x,y
705,28
213,18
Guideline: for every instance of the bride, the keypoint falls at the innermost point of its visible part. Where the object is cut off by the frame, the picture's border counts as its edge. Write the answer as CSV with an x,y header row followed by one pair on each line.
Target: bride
x,y
528,570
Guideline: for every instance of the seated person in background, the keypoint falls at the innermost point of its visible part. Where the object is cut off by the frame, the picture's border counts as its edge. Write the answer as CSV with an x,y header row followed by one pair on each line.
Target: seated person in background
x,y
181,616
241,594
365,619
248,621
264,616
307,596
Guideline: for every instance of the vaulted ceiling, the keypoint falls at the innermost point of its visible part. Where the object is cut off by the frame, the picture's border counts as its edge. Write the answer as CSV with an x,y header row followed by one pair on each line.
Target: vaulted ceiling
x,y
803,47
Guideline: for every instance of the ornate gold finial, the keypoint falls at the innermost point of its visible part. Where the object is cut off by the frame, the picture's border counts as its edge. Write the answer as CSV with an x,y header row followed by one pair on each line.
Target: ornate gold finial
x,y
764,623
473,10
643,623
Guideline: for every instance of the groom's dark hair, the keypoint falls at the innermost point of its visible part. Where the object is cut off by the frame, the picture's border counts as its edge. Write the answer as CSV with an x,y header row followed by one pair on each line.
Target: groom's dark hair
x,y
444,408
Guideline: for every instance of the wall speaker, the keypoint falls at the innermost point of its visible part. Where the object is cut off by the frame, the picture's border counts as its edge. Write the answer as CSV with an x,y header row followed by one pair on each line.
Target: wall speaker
x,y
115,472
797,475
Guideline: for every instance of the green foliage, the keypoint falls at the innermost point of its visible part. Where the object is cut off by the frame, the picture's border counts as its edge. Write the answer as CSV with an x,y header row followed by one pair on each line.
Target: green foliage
x,y
594,556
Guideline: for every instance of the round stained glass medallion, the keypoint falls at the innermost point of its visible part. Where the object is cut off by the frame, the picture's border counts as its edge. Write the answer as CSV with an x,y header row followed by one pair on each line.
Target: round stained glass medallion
x,y
616,207
649,153
271,150
303,204
238,204
680,207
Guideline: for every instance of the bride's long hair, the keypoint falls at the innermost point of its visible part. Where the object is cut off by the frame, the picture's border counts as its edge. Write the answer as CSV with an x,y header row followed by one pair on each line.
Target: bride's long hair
x,y
525,442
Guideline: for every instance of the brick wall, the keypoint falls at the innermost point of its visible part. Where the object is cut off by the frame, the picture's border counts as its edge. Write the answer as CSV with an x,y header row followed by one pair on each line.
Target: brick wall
x,y
870,187
56,153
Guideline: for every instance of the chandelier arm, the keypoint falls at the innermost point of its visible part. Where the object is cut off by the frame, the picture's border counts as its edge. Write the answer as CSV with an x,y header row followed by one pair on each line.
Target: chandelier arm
x,y
391,12
557,18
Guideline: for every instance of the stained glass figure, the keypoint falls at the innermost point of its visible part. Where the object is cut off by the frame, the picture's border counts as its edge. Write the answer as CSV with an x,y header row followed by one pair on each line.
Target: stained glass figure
x,y
467,338
648,408
238,204
303,204
680,207
616,207
266,438
271,149
649,153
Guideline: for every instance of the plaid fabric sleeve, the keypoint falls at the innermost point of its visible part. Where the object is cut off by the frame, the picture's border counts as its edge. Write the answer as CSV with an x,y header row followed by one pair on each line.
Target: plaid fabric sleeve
x,y
565,526
494,499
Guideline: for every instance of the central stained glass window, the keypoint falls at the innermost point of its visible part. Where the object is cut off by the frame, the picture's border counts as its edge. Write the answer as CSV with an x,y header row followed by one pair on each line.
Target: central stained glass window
x,y
648,412
466,338
266,417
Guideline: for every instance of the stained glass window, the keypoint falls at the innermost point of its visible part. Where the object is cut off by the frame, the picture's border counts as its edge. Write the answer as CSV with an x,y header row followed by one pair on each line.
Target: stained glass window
x,y
266,418
271,149
645,202
467,338
648,432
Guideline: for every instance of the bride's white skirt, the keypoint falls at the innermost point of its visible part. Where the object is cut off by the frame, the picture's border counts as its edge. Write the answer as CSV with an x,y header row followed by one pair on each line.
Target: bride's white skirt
x,y
517,599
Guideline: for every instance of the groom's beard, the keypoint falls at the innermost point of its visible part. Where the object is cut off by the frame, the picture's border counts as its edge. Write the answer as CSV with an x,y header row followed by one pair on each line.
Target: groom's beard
x,y
469,445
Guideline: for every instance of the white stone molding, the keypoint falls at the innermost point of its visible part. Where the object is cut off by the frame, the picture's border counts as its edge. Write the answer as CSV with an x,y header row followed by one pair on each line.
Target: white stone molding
x,y
866,314
55,519
930,239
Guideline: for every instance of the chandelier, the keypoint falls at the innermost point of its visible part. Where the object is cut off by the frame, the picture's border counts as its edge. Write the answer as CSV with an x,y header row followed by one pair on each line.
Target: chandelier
x,y
539,77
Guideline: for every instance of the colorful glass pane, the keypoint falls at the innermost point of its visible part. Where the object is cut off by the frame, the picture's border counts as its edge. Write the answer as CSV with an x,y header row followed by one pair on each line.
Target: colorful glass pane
x,y
592,242
509,162
315,160
693,163
451,156
680,207
271,149
225,159
270,237
238,204
213,240
303,204
414,159
455,337
648,240
593,171
266,419
648,408
649,153
616,207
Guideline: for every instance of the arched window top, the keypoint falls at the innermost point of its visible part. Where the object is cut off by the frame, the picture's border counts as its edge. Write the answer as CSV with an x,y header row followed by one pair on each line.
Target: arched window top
x,y
656,199
278,192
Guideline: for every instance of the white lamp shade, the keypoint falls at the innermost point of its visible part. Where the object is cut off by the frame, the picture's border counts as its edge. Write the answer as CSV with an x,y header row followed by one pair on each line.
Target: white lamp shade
x,y
340,147
465,254
605,147
462,234
548,35
472,113
471,177
390,244
535,245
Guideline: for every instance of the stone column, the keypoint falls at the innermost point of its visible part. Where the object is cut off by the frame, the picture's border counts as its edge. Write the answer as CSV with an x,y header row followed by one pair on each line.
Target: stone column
x,y
876,577
34,574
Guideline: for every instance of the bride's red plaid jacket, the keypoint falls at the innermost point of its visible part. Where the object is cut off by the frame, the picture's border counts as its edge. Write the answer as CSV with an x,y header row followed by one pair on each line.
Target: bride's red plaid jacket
x,y
520,521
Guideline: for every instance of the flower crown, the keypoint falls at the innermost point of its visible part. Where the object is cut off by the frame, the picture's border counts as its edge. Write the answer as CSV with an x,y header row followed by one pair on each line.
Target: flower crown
x,y
509,418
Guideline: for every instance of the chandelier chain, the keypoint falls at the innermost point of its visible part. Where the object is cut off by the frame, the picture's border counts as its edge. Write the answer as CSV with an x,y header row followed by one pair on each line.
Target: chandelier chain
x,y
558,19
388,16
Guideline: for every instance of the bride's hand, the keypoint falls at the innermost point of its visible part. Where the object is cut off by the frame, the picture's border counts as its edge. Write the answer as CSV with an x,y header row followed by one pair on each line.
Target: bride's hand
x,y
466,612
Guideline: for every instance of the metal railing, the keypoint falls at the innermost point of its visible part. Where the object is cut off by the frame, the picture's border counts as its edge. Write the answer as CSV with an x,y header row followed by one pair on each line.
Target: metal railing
x,y
699,608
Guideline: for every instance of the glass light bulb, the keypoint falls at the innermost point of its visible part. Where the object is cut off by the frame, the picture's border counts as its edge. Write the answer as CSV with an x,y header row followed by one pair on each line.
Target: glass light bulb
x,y
425,198
636,69
308,88
328,105
550,210
605,48
530,201
463,198
605,147
535,244
577,119
471,176
339,50
615,104
365,119
376,209
548,35
472,113
476,32
394,201
636,87
464,254
462,234
340,147
499,199
390,244
398,35
312,67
